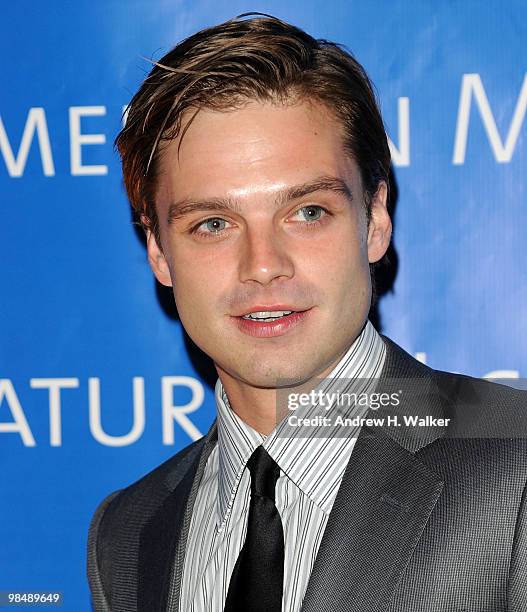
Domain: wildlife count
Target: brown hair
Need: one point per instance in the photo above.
(261, 58)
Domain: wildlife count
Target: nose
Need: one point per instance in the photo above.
(264, 257)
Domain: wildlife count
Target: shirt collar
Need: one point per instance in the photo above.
(316, 463)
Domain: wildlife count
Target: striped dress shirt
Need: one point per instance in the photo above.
(311, 469)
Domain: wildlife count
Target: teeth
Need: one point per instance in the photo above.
(267, 314)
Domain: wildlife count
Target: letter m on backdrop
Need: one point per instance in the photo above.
(472, 88)
(35, 124)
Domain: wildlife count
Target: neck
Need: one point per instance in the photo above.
(256, 407)
(262, 408)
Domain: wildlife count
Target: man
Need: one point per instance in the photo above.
(256, 160)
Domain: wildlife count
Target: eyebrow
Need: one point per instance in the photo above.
(184, 207)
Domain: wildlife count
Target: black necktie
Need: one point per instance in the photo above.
(258, 577)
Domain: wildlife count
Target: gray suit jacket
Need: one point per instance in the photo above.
(426, 519)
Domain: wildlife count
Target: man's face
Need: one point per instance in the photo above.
(262, 211)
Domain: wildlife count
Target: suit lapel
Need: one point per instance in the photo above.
(384, 501)
(380, 511)
(163, 539)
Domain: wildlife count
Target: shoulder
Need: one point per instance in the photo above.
(457, 392)
(169, 473)
(481, 408)
(485, 413)
(486, 436)
(470, 389)
(159, 482)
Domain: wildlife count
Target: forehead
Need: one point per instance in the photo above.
(257, 148)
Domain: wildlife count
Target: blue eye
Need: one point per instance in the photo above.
(214, 225)
(312, 213)
(212, 228)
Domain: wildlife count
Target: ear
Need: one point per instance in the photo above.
(380, 227)
(157, 260)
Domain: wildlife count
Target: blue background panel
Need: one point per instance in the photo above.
(78, 300)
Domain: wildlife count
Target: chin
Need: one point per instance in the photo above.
(273, 376)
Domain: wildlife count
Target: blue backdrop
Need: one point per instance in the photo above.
(96, 385)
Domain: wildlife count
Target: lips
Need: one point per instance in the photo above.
(264, 323)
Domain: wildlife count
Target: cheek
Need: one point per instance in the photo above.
(198, 283)
(340, 268)
(339, 256)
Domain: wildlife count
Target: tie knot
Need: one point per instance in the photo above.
(264, 473)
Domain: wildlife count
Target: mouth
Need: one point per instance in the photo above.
(268, 322)
(266, 316)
